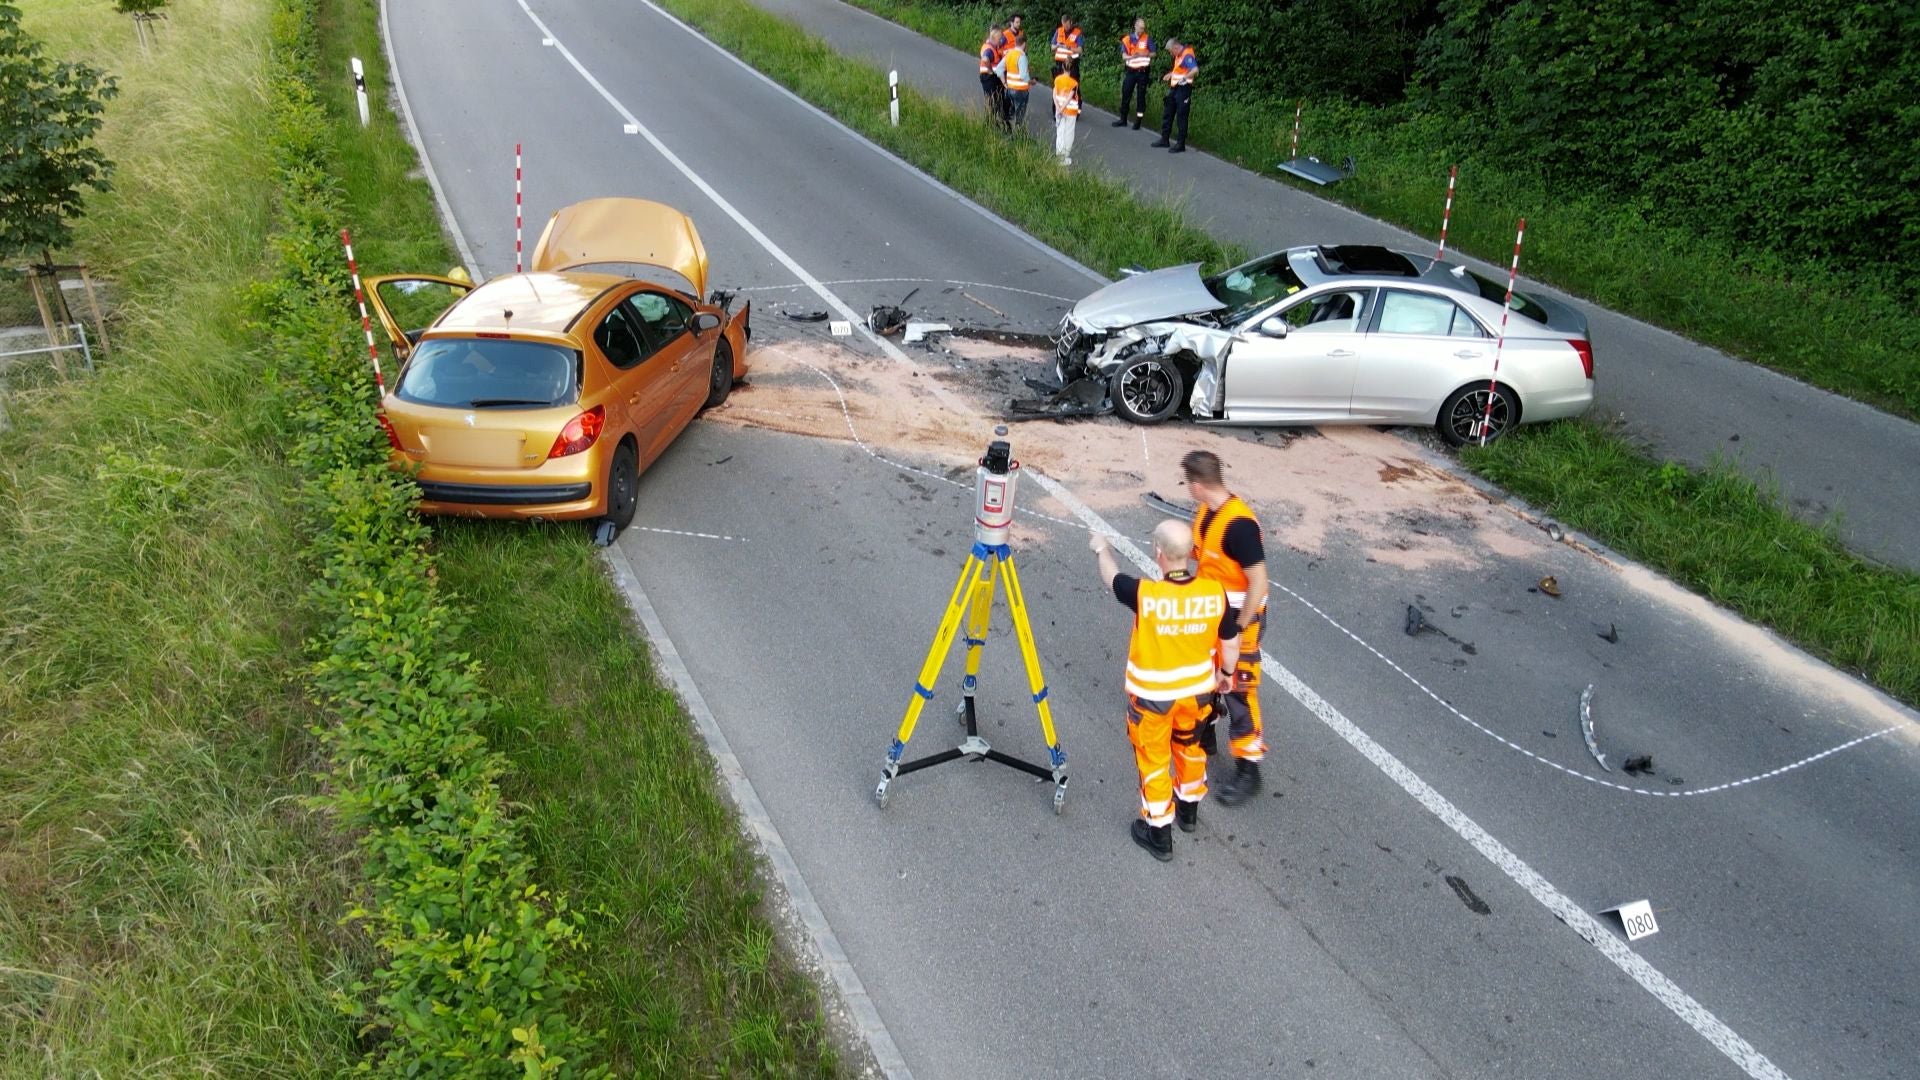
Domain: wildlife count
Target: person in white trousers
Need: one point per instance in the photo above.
(1066, 112)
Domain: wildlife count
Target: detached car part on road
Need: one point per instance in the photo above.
(544, 394)
(1321, 335)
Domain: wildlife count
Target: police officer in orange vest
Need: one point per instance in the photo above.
(1136, 52)
(1230, 551)
(1183, 651)
(1179, 100)
(994, 90)
(1066, 45)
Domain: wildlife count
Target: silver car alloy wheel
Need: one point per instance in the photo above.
(1468, 411)
(1146, 389)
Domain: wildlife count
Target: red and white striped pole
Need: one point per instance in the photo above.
(1513, 272)
(1297, 110)
(1447, 214)
(366, 324)
(517, 268)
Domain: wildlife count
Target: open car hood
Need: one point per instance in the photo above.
(1158, 294)
(618, 230)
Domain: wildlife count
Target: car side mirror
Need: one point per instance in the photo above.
(705, 321)
(1274, 326)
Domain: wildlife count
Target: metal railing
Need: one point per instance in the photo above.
(82, 346)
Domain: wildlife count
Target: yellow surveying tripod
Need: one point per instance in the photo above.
(972, 600)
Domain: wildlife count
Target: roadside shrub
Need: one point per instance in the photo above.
(476, 955)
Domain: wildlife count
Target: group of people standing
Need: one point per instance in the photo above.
(1006, 81)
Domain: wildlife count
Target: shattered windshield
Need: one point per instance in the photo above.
(1251, 286)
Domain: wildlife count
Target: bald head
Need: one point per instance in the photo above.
(1172, 545)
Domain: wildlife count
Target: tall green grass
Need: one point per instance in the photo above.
(1825, 324)
(167, 907)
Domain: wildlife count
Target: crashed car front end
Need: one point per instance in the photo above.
(1087, 358)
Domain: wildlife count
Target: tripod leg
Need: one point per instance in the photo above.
(963, 591)
(1017, 606)
(980, 613)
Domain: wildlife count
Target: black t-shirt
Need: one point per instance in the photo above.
(1126, 589)
(1242, 540)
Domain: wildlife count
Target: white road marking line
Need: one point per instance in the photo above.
(694, 535)
(793, 267)
(1496, 736)
(908, 167)
(1695, 1015)
(803, 908)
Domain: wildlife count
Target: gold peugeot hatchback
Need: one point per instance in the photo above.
(544, 394)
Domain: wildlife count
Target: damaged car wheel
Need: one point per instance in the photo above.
(1147, 389)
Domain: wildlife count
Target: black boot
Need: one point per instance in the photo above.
(1161, 141)
(1122, 122)
(1186, 815)
(1179, 148)
(1244, 784)
(1157, 839)
(1136, 123)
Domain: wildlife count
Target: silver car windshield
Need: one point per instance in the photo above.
(1251, 286)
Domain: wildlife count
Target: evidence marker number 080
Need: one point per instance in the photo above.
(1637, 919)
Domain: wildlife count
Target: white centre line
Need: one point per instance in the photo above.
(1695, 1015)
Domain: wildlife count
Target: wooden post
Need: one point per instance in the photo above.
(93, 301)
(54, 337)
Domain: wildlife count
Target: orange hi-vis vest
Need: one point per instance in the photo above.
(1176, 632)
(1065, 101)
(1185, 67)
(1215, 563)
(1017, 78)
(989, 56)
(1065, 47)
(1138, 51)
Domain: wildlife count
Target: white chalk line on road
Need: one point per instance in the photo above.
(1669, 994)
(683, 532)
(1590, 778)
(1682, 1004)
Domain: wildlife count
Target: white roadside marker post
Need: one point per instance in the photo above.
(893, 95)
(1447, 214)
(360, 89)
(1493, 382)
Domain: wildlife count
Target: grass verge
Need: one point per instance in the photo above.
(615, 793)
(167, 907)
(1833, 328)
(1712, 531)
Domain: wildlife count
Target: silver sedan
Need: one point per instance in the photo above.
(1324, 335)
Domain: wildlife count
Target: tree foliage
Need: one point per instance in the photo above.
(49, 114)
(139, 7)
(1791, 129)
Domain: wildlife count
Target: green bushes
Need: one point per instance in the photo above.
(475, 956)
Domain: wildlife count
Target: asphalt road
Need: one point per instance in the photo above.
(1376, 915)
(1682, 399)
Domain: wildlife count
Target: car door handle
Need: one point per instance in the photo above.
(634, 400)
(1467, 354)
(1341, 353)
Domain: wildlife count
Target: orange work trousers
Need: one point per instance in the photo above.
(1243, 704)
(1166, 748)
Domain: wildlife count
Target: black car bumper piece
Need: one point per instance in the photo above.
(501, 495)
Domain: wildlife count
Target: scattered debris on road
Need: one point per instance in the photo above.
(1555, 532)
(1167, 506)
(1611, 635)
(1638, 764)
(918, 331)
(887, 320)
(1550, 585)
(806, 316)
(1586, 727)
(1460, 889)
(1416, 622)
